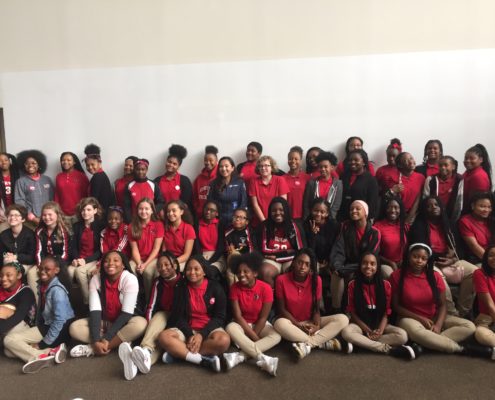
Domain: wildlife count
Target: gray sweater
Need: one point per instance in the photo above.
(32, 193)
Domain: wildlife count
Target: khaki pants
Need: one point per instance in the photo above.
(386, 271)
(79, 330)
(451, 310)
(484, 334)
(182, 337)
(269, 339)
(393, 336)
(149, 274)
(83, 275)
(337, 290)
(466, 289)
(330, 327)
(18, 343)
(454, 330)
(219, 264)
(281, 267)
(156, 326)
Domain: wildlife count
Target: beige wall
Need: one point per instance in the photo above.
(58, 34)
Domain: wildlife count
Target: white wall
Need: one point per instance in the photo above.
(448, 95)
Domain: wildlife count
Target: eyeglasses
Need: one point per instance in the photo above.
(265, 166)
(14, 215)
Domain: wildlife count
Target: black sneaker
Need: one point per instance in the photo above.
(477, 350)
(418, 350)
(404, 352)
(212, 362)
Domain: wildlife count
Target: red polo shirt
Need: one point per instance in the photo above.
(413, 187)
(150, 232)
(208, 235)
(483, 284)
(199, 314)
(369, 294)
(86, 244)
(251, 300)
(387, 176)
(390, 246)
(248, 171)
(438, 241)
(174, 240)
(296, 185)
(120, 185)
(472, 227)
(264, 193)
(112, 300)
(170, 188)
(475, 180)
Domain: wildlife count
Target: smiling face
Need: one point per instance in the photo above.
(88, 213)
(48, 270)
(407, 163)
(67, 163)
(418, 260)
(113, 265)
(246, 276)
(210, 161)
(14, 218)
(239, 220)
(433, 152)
(482, 208)
(9, 278)
(393, 211)
(369, 266)
(172, 165)
(128, 166)
(194, 272)
(174, 213)
(31, 166)
(354, 144)
(49, 217)
(144, 211)
(356, 163)
(277, 213)
(446, 168)
(165, 268)
(325, 167)
(114, 220)
(225, 168)
(92, 165)
(472, 160)
(301, 267)
(357, 212)
(4, 162)
(252, 153)
(312, 158)
(265, 169)
(319, 213)
(294, 161)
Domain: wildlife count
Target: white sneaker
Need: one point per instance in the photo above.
(40, 362)
(233, 359)
(82, 350)
(142, 358)
(268, 364)
(301, 349)
(130, 369)
(331, 345)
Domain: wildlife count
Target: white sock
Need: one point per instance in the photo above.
(194, 358)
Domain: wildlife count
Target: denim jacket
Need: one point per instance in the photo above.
(57, 311)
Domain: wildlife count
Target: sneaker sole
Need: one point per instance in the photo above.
(138, 358)
(300, 355)
(412, 354)
(273, 372)
(125, 356)
(36, 365)
(61, 354)
(216, 365)
(76, 353)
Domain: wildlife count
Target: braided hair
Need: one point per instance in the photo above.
(287, 224)
(313, 267)
(481, 151)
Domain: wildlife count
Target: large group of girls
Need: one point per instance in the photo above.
(334, 256)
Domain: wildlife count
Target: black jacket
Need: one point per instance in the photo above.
(24, 245)
(78, 228)
(25, 309)
(101, 188)
(365, 188)
(216, 307)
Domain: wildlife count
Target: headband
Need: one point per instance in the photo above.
(93, 156)
(364, 205)
(17, 265)
(425, 246)
(144, 162)
(116, 208)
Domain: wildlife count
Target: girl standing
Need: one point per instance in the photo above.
(201, 185)
(352, 144)
(139, 188)
(172, 184)
(298, 293)
(358, 184)
(448, 186)
(71, 185)
(324, 186)
(386, 175)
(33, 189)
(251, 301)
(146, 238)
(311, 164)
(18, 243)
(179, 232)
(99, 185)
(478, 175)
(86, 244)
(432, 154)
(8, 177)
(279, 240)
(44, 344)
(419, 301)
(113, 319)
(247, 170)
(370, 306)
(228, 190)
(198, 315)
(264, 188)
(296, 181)
(120, 184)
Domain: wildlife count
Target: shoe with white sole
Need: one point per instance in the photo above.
(212, 362)
(82, 350)
(40, 362)
(268, 364)
(125, 355)
(301, 349)
(233, 359)
(142, 358)
(59, 353)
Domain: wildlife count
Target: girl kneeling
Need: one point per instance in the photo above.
(197, 318)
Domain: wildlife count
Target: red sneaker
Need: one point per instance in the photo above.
(42, 361)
